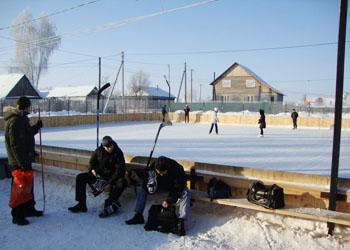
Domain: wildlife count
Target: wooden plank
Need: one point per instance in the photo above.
(312, 214)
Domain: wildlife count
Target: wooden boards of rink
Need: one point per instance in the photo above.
(306, 196)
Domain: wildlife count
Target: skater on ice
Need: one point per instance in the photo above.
(262, 122)
(214, 121)
(294, 115)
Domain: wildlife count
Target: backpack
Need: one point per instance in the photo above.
(162, 219)
(271, 197)
(218, 189)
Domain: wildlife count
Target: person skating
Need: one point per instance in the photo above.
(107, 164)
(164, 174)
(20, 143)
(262, 122)
(214, 121)
(187, 113)
(294, 115)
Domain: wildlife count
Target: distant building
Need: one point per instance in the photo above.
(155, 93)
(74, 93)
(240, 84)
(13, 86)
(325, 102)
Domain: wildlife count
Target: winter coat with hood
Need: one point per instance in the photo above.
(173, 181)
(262, 121)
(110, 166)
(19, 138)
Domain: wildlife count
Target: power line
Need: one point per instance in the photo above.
(119, 23)
(236, 50)
(51, 14)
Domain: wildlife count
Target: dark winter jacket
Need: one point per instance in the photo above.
(262, 121)
(19, 138)
(164, 112)
(173, 181)
(110, 166)
(294, 115)
(187, 110)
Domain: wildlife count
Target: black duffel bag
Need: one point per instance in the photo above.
(162, 219)
(217, 189)
(271, 197)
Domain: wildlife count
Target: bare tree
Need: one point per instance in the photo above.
(138, 81)
(35, 43)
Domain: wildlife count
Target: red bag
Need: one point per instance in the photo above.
(21, 188)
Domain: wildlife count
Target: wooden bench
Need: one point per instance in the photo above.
(305, 195)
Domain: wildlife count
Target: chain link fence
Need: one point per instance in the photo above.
(74, 106)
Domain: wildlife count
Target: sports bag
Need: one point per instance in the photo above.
(21, 188)
(271, 197)
(218, 189)
(162, 219)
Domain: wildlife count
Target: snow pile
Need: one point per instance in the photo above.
(210, 226)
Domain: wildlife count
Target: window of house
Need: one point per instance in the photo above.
(226, 83)
(250, 83)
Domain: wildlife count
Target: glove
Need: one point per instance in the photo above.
(99, 186)
(39, 124)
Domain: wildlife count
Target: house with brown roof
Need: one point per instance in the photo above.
(240, 84)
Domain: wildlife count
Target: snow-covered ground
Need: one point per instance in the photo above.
(210, 226)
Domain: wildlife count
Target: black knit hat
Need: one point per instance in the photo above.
(160, 164)
(107, 141)
(23, 102)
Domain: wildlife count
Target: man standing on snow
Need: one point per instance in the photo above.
(294, 116)
(164, 113)
(165, 174)
(19, 141)
(106, 172)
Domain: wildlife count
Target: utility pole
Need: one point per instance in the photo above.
(338, 110)
(185, 83)
(99, 72)
(191, 84)
(200, 92)
(123, 82)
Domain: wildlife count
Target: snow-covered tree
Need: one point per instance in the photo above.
(35, 43)
(138, 81)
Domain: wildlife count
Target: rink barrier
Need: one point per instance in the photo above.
(271, 120)
(306, 196)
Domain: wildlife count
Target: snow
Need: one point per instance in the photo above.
(210, 226)
(71, 91)
(8, 82)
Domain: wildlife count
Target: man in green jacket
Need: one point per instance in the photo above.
(19, 141)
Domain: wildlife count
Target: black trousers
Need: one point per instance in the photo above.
(23, 209)
(216, 128)
(83, 179)
(295, 125)
(187, 118)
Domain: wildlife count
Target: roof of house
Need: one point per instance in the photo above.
(249, 71)
(9, 81)
(155, 92)
(71, 91)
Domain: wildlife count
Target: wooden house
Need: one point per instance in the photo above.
(239, 84)
(12, 86)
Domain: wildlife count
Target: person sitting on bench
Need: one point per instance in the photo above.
(106, 172)
(166, 174)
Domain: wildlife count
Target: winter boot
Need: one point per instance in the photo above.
(109, 210)
(137, 219)
(80, 207)
(20, 221)
(34, 213)
(181, 227)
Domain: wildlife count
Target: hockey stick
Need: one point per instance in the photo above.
(162, 125)
(41, 163)
(98, 110)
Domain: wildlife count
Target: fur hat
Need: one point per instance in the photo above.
(23, 102)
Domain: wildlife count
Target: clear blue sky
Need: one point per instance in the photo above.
(171, 38)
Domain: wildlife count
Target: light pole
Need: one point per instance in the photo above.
(169, 91)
